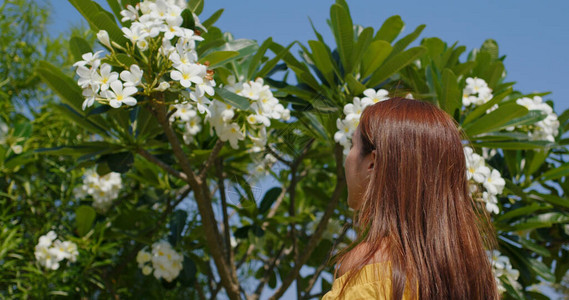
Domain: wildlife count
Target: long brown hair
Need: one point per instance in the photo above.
(417, 206)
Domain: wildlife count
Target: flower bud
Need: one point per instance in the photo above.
(163, 86)
(103, 37)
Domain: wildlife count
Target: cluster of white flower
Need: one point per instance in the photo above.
(353, 111)
(477, 93)
(159, 19)
(103, 189)
(163, 260)
(100, 83)
(263, 107)
(262, 164)
(503, 270)
(49, 252)
(478, 173)
(545, 129)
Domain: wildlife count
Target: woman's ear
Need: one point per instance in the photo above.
(371, 163)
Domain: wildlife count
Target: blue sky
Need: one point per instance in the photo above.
(533, 35)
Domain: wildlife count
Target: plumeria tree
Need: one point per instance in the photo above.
(177, 131)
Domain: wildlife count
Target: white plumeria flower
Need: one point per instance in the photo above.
(353, 110)
(120, 94)
(251, 90)
(233, 133)
(187, 74)
(106, 77)
(172, 28)
(476, 169)
(89, 58)
(188, 38)
(160, 10)
(90, 94)
(491, 202)
(135, 33)
(166, 261)
(143, 257)
(132, 77)
(151, 27)
(193, 125)
(345, 131)
(181, 57)
(129, 14)
(206, 87)
(184, 112)
(86, 77)
(494, 183)
(202, 103)
(474, 85)
(372, 96)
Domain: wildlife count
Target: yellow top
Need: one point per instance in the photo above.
(372, 282)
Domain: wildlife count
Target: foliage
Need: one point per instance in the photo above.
(178, 179)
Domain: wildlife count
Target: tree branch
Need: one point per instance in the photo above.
(155, 160)
(321, 268)
(203, 199)
(315, 238)
(268, 271)
(211, 158)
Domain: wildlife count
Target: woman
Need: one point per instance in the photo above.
(420, 235)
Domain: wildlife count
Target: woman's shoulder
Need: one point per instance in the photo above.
(352, 258)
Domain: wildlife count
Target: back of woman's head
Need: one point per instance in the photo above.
(417, 203)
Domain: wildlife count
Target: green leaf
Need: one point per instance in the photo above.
(323, 60)
(514, 145)
(218, 58)
(407, 40)
(343, 30)
(82, 149)
(196, 6)
(390, 29)
(522, 211)
(177, 224)
(491, 47)
(481, 110)
(496, 119)
(256, 59)
(188, 19)
(450, 99)
(541, 221)
(356, 87)
(534, 160)
(212, 19)
(61, 84)
(374, 56)
(118, 162)
(231, 98)
(314, 124)
(84, 218)
(79, 119)
(364, 39)
(532, 246)
(78, 47)
(556, 173)
(269, 65)
(269, 198)
(532, 117)
(116, 8)
(102, 21)
(396, 63)
(551, 199)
